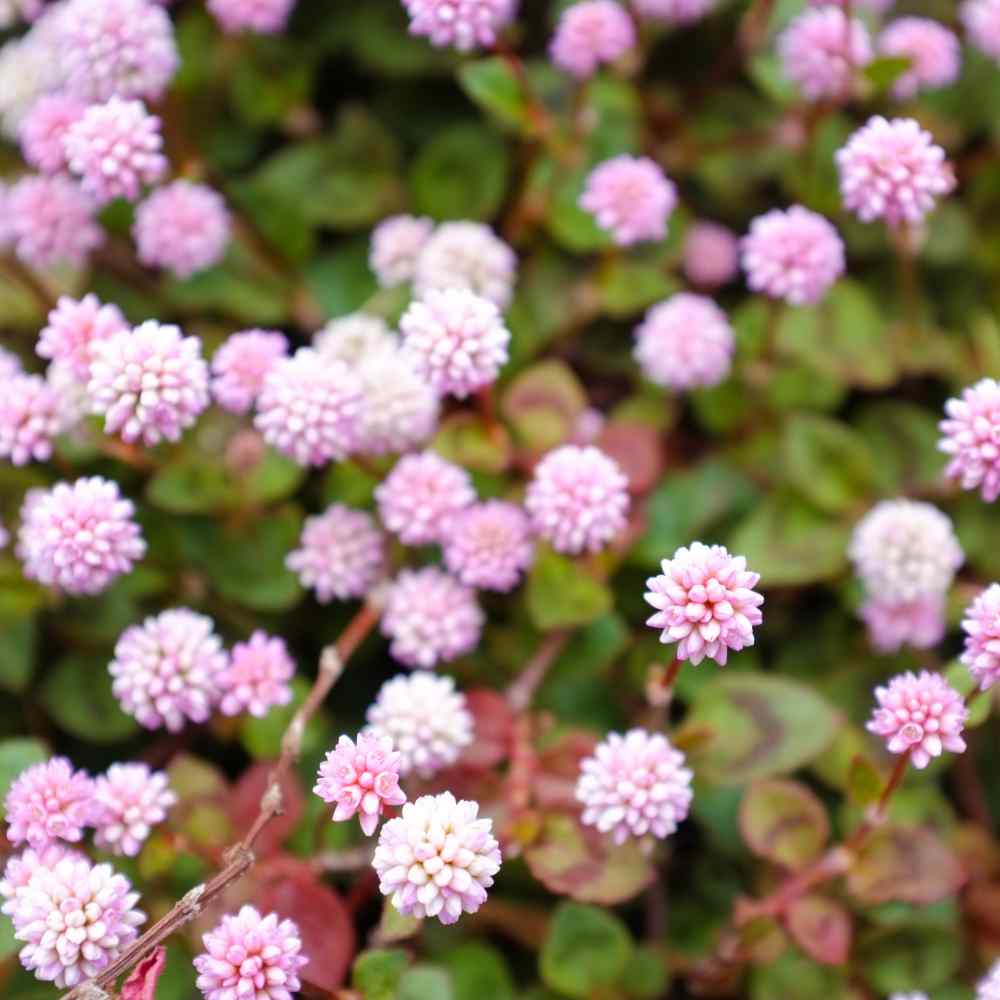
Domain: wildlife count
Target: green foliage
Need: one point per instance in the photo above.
(587, 950)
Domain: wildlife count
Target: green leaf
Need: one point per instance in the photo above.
(17, 654)
(587, 950)
(646, 975)
(784, 822)
(77, 694)
(864, 782)
(261, 737)
(190, 484)
(492, 84)
(542, 405)
(478, 972)
(376, 973)
(795, 977)
(886, 70)
(560, 593)
(464, 439)
(15, 756)
(425, 982)
(341, 281)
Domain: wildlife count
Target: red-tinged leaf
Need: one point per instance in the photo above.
(493, 721)
(784, 822)
(244, 804)
(542, 405)
(141, 984)
(559, 768)
(636, 448)
(822, 928)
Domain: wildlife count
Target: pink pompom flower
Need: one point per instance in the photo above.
(438, 858)
(590, 33)
(933, 50)
(920, 714)
(685, 343)
(250, 957)
(49, 801)
(461, 24)
(634, 785)
(892, 170)
(673, 11)
(20, 868)
(43, 130)
(79, 537)
(129, 800)
(631, 198)
(265, 17)
(489, 545)
(240, 365)
(400, 407)
(822, 54)
(31, 415)
(257, 676)
(981, 625)
(362, 779)
(10, 363)
(971, 436)
(981, 20)
(396, 245)
(74, 327)
(430, 618)
(705, 602)
(577, 499)
(919, 623)
(711, 255)
(51, 221)
(795, 255)
(466, 255)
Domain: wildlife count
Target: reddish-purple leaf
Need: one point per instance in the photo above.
(244, 804)
(821, 927)
(783, 821)
(141, 983)
(493, 722)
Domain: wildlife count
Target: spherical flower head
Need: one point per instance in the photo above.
(31, 65)
(981, 625)
(129, 800)
(30, 417)
(685, 343)
(631, 198)
(438, 858)
(44, 128)
(149, 384)
(74, 327)
(711, 255)
(489, 545)
(10, 363)
(71, 391)
(21, 867)
(355, 338)
(250, 956)
(75, 919)
(420, 495)
(241, 364)
(673, 11)
(117, 48)
(933, 50)
(51, 221)
(362, 779)
(258, 676)
(590, 33)
(427, 720)
(166, 671)
(341, 554)
(981, 20)
(988, 988)
(456, 340)
(466, 255)
(182, 227)
(920, 714)
(795, 255)
(821, 53)
(919, 623)
(400, 408)
(892, 170)
(49, 801)
(265, 17)
(971, 436)
(79, 537)
(904, 550)
(634, 785)
(396, 244)
(308, 408)
(461, 24)
(430, 618)
(577, 499)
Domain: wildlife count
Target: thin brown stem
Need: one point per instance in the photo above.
(538, 115)
(521, 693)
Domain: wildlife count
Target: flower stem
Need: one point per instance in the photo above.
(521, 693)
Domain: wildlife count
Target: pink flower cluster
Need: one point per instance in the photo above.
(821, 52)
(49, 801)
(971, 436)
(489, 545)
(75, 327)
(31, 415)
(933, 50)
(466, 255)
(241, 364)
(981, 20)
(630, 198)
(590, 33)
(460, 24)
(981, 625)
(129, 800)
(257, 677)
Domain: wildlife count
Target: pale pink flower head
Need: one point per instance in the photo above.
(341, 554)
(49, 801)
(75, 918)
(182, 227)
(129, 800)
(308, 408)
(74, 327)
(920, 714)
(149, 384)
(400, 407)
(240, 365)
(167, 670)
(634, 785)
(21, 867)
(44, 127)
(822, 54)
(396, 245)
(971, 436)
(430, 618)
(51, 221)
(705, 602)
(631, 198)
(117, 48)
(426, 718)
(981, 625)
(711, 255)
(250, 957)
(438, 858)
(892, 170)
(356, 337)
(795, 255)
(362, 779)
(590, 33)
(933, 50)
(577, 499)
(981, 20)
(673, 11)
(10, 363)
(988, 988)
(265, 17)
(456, 340)
(461, 24)
(79, 537)
(466, 255)
(919, 623)
(685, 343)
(31, 415)
(420, 495)
(489, 545)
(258, 676)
